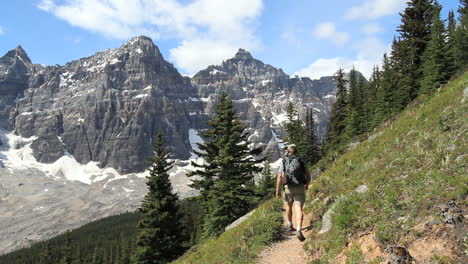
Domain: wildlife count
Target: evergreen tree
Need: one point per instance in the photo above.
(294, 128)
(356, 117)
(435, 65)
(451, 58)
(383, 92)
(461, 36)
(97, 256)
(159, 231)
(311, 148)
(46, 255)
(337, 123)
(227, 171)
(371, 99)
(67, 256)
(415, 32)
(266, 184)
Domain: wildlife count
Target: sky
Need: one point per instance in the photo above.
(303, 37)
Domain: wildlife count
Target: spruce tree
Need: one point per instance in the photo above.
(311, 148)
(337, 123)
(227, 170)
(295, 130)
(371, 99)
(355, 119)
(451, 56)
(414, 32)
(46, 256)
(159, 230)
(461, 36)
(435, 63)
(383, 92)
(266, 184)
(67, 255)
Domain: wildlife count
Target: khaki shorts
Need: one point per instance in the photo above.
(294, 194)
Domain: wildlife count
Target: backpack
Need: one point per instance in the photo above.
(294, 171)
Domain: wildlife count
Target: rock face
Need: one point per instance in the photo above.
(76, 137)
(261, 94)
(108, 107)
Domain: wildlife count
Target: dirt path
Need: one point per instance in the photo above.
(287, 251)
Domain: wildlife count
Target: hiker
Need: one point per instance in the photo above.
(295, 177)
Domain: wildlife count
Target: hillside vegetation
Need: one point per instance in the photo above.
(406, 168)
(412, 163)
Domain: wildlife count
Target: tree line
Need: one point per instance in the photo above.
(426, 53)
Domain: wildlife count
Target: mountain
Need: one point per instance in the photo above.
(261, 94)
(74, 138)
(402, 190)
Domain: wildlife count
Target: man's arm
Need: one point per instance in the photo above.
(278, 184)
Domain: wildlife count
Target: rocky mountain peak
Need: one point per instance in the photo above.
(242, 54)
(142, 45)
(18, 52)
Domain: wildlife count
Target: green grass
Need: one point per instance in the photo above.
(410, 168)
(243, 243)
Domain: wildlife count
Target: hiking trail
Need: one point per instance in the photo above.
(289, 250)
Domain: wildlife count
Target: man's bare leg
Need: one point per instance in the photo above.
(289, 213)
(299, 215)
(299, 218)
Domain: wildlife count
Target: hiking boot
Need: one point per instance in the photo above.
(291, 228)
(300, 236)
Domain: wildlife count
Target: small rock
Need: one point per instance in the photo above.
(239, 221)
(433, 222)
(450, 147)
(374, 136)
(451, 213)
(362, 188)
(398, 255)
(461, 157)
(465, 94)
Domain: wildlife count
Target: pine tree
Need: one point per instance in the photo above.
(435, 63)
(67, 256)
(337, 123)
(266, 184)
(227, 171)
(46, 256)
(311, 148)
(294, 128)
(461, 36)
(371, 99)
(451, 58)
(355, 120)
(97, 256)
(159, 230)
(415, 32)
(383, 92)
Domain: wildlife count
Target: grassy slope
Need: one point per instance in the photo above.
(242, 243)
(410, 167)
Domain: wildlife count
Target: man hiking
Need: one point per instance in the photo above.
(295, 177)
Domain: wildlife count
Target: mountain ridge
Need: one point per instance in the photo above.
(88, 126)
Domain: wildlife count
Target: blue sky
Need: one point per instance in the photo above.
(306, 37)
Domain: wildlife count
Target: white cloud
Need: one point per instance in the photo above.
(193, 53)
(372, 9)
(327, 30)
(369, 52)
(1, 31)
(199, 23)
(372, 28)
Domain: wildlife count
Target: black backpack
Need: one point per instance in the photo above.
(294, 171)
